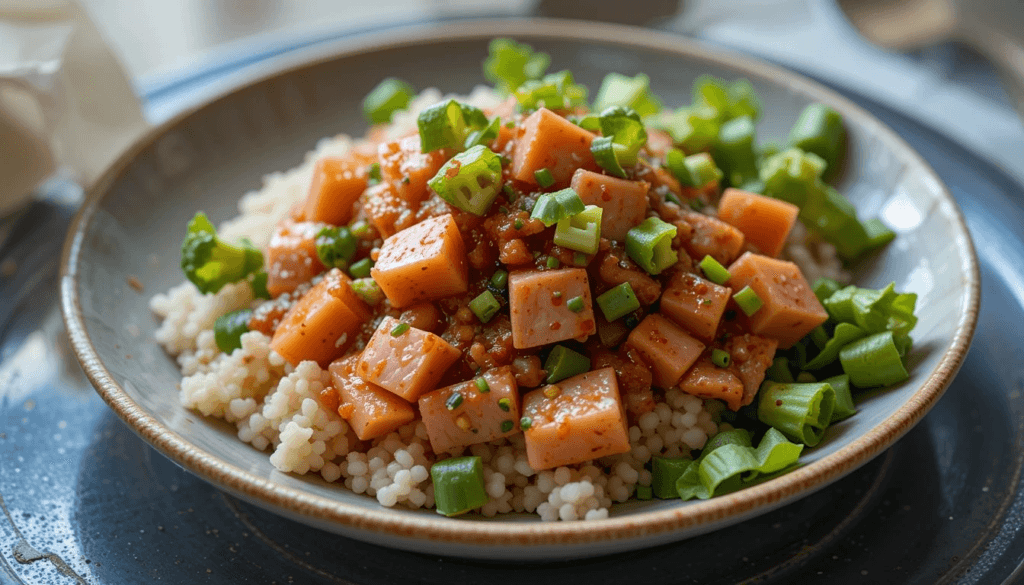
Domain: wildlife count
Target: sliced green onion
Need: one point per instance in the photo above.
(734, 152)
(603, 149)
(485, 306)
(696, 170)
(629, 92)
(792, 175)
(552, 262)
(844, 334)
(844, 407)
(824, 288)
(878, 233)
(714, 270)
(360, 229)
(481, 385)
(335, 246)
(482, 136)
(874, 310)
(361, 269)
(544, 178)
(505, 404)
(555, 91)
(518, 224)
(819, 129)
(565, 363)
(389, 96)
(800, 411)
(650, 245)
(510, 64)
(525, 423)
(368, 291)
(727, 100)
(644, 492)
(374, 174)
(448, 124)
(721, 358)
(665, 472)
(259, 285)
(622, 137)
(458, 485)
(805, 378)
(779, 371)
(575, 304)
(399, 329)
(507, 425)
(579, 259)
(581, 232)
(873, 361)
(693, 128)
(748, 301)
(228, 329)
(618, 301)
(819, 337)
(729, 462)
(499, 279)
(470, 180)
(553, 207)
(454, 401)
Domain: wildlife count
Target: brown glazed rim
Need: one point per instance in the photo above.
(384, 522)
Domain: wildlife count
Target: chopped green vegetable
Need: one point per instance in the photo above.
(575, 304)
(748, 301)
(485, 306)
(715, 272)
(734, 153)
(553, 207)
(499, 279)
(361, 269)
(618, 301)
(874, 361)
(644, 492)
(335, 246)
(259, 285)
(874, 310)
(228, 329)
(210, 263)
(800, 411)
(368, 291)
(844, 333)
(554, 91)
(728, 100)
(693, 128)
(373, 174)
(805, 378)
(844, 407)
(779, 371)
(696, 170)
(579, 259)
(448, 124)
(389, 96)
(458, 485)
(665, 472)
(565, 363)
(483, 135)
(453, 401)
(824, 288)
(721, 358)
(650, 245)
(507, 425)
(481, 385)
(544, 178)
(729, 462)
(552, 262)
(399, 329)
(819, 130)
(505, 404)
(360, 229)
(525, 423)
(622, 137)
(629, 92)
(580, 232)
(470, 180)
(510, 64)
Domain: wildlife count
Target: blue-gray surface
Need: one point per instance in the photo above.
(86, 501)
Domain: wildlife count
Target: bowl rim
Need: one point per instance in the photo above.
(385, 522)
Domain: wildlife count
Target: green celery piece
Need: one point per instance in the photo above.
(550, 208)
(565, 363)
(475, 183)
(729, 100)
(622, 137)
(801, 411)
(580, 232)
(389, 96)
(696, 170)
(665, 472)
(874, 360)
(554, 91)
(734, 152)
(792, 175)
(606, 157)
(874, 310)
(618, 301)
(819, 130)
(228, 329)
(650, 245)
(844, 334)
(458, 485)
(485, 306)
(844, 407)
(629, 92)
(448, 124)
(728, 466)
(510, 64)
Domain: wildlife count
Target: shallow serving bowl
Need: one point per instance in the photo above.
(131, 225)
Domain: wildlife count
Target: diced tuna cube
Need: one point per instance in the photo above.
(470, 412)
(764, 221)
(624, 203)
(695, 304)
(538, 305)
(751, 355)
(422, 263)
(407, 169)
(709, 236)
(549, 141)
(579, 419)
(666, 348)
(337, 184)
(706, 380)
(370, 410)
(291, 256)
(407, 363)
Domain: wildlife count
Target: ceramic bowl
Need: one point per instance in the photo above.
(130, 227)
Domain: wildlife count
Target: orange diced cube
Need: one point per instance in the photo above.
(695, 304)
(422, 263)
(291, 256)
(583, 420)
(764, 221)
(790, 308)
(549, 141)
(710, 236)
(407, 170)
(706, 380)
(751, 355)
(478, 417)
(666, 348)
(538, 306)
(370, 410)
(337, 184)
(322, 323)
(623, 203)
(408, 364)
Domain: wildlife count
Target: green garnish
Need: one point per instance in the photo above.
(618, 301)
(389, 96)
(210, 263)
(399, 329)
